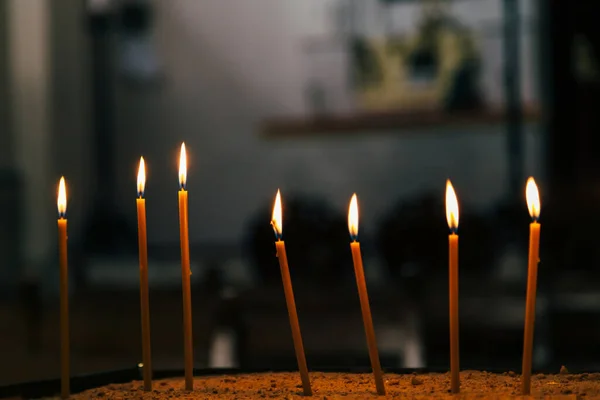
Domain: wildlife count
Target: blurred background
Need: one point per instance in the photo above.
(320, 98)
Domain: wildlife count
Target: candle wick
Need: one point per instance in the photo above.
(277, 234)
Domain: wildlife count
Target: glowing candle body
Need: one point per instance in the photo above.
(293, 315)
(185, 274)
(64, 291)
(532, 268)
(534, 242)
(64, 308)
(453, 290)
(144, 296)
(452, 217)
(364, 297)
(367, 318)
(289, 296)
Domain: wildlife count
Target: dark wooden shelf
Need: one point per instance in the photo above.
(369, 122)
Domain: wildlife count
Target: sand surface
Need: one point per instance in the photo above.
(474, 385)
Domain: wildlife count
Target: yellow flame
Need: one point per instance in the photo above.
(353, 216)
(141, 178)
(533, 198)
(277, 220)
(451, 206)
(182, 166)
(62, 197)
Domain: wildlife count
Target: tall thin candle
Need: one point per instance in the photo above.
(452, 217)
(143, 255)
(533, 203)
(277, 222)
(64, 290)
(185, 272)
(363, 296)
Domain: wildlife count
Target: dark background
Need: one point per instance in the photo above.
(77, 100)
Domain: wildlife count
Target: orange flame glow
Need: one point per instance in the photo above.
(353, 217)
(141, 178)
(451, 207)
(62, 198)
(277, 219)
(533, 199)
(182, 167)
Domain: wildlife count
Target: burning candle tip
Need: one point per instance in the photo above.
(62, 198)
(451, 208)
(353, 218)
(533, 199)
(141, 178)
(277, 219)
(182, 167)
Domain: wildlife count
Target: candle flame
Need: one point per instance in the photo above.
(62, 198)
(182, 167)
(277, 219)
(451, 207)
(353, 217)
(533, 199)
(141, 178)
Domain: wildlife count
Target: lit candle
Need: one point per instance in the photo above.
(452, 217)
(143, 254)
(363, 296)
(289, 296)
(185, 272)
(533, 203)
(64, 289)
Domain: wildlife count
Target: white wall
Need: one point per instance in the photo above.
(228, 65)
